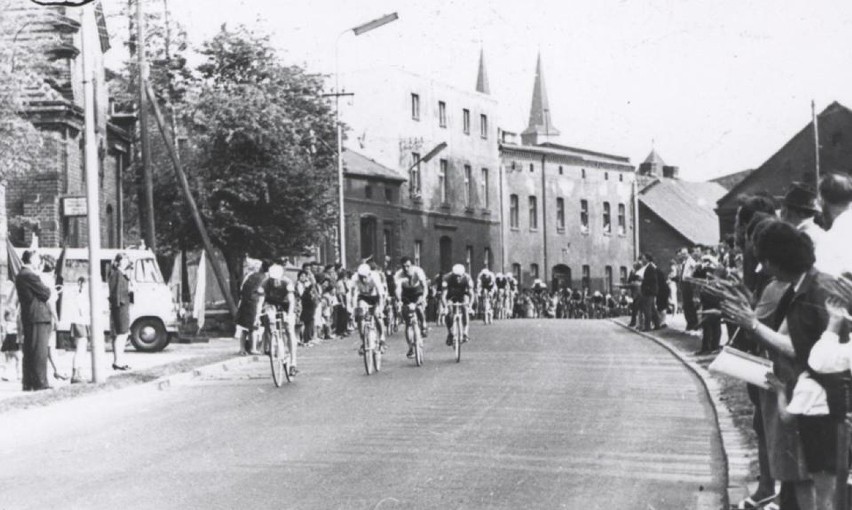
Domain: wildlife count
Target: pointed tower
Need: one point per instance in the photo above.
(482, 77)
(540, 127)
(654, 166)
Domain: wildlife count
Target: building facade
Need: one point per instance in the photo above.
(443, 141)
(568, 213)
(45, 203)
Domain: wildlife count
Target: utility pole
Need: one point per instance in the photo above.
(816, 144)
(147, 178)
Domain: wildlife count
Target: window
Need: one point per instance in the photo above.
(486, 258)
(622, 221)
(368, 236)
(468, 259)
(466, 121)
(418, 249)
(560, 169)
(415, 107)
(583, 173)
(442, 180)
(622, 274)
(442, 114)
(414, 175)
(516, 270)
(484, 194)
(620, 177)
(513, 211)
(608, 280)
(533, 212)
(387, 245)
(606, 176)
(483, 126)
(388, 194)
(468, 185)
(445, 254)
(533, 271)
(146, 271)
(607, 220)
(532, 168)
(368, 191)
(560, 214)
(584, 216)
(587, 277)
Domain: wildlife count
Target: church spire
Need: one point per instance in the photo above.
(482, 76)
(540, 127)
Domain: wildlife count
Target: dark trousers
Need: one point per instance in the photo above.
(689, 312)
(34, 363)
(309, 327)
(649, 309)
(712, 333)
(341, 320)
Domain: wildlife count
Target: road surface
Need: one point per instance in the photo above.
(539, 414)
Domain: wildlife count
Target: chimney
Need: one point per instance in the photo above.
(670, 172)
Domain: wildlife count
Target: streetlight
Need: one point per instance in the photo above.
(359, 30)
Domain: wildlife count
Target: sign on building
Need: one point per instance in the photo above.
(74, 206)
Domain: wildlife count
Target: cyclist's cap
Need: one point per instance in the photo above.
(276, 271)
(458, 269)
(364, 270)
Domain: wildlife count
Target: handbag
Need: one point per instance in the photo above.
(743, 366)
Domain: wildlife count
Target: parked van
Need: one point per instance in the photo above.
(153, 313)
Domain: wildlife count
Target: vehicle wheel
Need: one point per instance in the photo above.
(368, 359)
(377, 359)
(457, 343)
(149, 335)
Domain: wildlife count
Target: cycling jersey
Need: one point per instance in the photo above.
(277, 291)
(368, 289)
(413, 285)
(486, 279)
(457, 287)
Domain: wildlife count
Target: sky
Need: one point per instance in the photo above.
(717, 86)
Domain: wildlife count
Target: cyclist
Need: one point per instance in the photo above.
(458, 288)
(512, 293)
(367, 291)
(486, 281)
(280, 293)
(410, 285)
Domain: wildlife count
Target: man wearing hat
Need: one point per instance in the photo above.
(799, 209)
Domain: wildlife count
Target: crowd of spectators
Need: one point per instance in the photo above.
(782, 286)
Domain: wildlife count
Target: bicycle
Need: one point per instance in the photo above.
(487, 310)
(412, 333)
(457, 329)
(275, 347)
(369, 342)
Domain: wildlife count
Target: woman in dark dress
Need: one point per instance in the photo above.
(119, 307)
(248, 311)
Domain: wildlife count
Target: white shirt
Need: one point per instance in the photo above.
(833, 254)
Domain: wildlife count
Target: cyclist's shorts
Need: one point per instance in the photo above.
(411, 296)
(371, 300)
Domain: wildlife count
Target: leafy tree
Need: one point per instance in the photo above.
(261, 162)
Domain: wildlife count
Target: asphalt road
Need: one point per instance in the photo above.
(539, 414)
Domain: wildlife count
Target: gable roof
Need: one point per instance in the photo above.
(655, 159)
(356, 164)
(688, 207)
(728, 181)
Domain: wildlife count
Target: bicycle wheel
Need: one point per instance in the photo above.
(276, 362)
(418, 345)
(457, 339)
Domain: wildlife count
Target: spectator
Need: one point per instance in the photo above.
(119, 307)
(36, 320)
(832, 254)
(795, 326)
(309, 299)
(248, 310)
(749, 206)
(711, 320)
(11, 344)
(690, 260)
(799, 209)
(648, 290)
(80, 320)
(48, 276)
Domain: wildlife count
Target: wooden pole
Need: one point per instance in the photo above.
(148, 181)
(196, 216)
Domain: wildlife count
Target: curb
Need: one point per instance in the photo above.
(165, 382)
(736, 453)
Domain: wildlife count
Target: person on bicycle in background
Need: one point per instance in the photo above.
(368, 291)
(511, 292)
(441, 309)
(280, 293)
(410, 285)
(486, 281)
(458, 288)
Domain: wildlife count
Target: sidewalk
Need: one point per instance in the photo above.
(144, 367)
(733, 409)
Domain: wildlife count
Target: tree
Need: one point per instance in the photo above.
(262, 166)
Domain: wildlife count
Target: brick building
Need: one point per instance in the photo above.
(568, 213)
(674, 214)
(54, 102)
(795, 161)
(449, 209)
